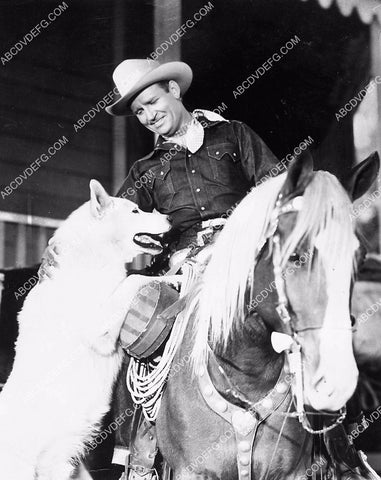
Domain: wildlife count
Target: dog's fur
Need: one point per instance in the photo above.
(67, 356)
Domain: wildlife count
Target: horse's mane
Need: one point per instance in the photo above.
(219, 301)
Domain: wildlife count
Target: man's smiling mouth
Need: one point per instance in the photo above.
(154, 124)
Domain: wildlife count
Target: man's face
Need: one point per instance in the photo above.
(160, 111)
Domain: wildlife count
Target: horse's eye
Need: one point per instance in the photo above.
(294, 257)
(135, 210)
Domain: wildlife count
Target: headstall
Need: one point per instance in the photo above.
(288, 340)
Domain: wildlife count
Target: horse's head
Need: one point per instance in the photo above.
(309, 257)
(288, 254)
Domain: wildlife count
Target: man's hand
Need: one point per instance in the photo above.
(49, 261)
(174, 280)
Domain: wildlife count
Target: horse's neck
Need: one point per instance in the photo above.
(250, 361)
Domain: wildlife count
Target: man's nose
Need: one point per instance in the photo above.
(150, 114)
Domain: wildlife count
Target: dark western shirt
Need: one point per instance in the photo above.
(192, 187)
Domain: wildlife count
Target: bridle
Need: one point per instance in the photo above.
(288, 340)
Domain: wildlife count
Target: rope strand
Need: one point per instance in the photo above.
(146, 379)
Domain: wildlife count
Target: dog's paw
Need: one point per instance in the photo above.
(104, 344)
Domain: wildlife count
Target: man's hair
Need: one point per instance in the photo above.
(164, 84)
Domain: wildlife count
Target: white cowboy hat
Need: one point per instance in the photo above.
(133, 76)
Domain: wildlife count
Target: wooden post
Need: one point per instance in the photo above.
(42, 242)
(119, 153)
(2, 244)
(375, 52)
(167, 19)
(21, 253)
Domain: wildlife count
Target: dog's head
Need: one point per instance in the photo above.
(131, 229)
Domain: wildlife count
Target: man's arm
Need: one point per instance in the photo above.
(135, 189)
(256, 157)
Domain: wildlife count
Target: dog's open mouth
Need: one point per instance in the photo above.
(149, 242)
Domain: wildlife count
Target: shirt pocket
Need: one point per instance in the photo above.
(223, 160)
(161, 186)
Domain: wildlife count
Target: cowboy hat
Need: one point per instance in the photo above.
(133, 76)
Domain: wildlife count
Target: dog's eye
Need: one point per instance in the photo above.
(135, 210)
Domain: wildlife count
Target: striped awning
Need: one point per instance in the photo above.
(367, 9)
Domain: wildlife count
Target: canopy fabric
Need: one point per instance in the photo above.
(367, 9)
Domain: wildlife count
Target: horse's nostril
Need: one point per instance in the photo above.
(170, 219)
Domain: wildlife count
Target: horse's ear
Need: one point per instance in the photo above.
(362, 176)
(299, 175)
(99, 199)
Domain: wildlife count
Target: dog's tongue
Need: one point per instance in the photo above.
(149, 241)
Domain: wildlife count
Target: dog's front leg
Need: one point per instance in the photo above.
(110, 318)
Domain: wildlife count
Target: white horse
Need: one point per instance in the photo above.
(67, 356)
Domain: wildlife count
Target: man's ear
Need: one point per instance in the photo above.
(362, 176)
(299, 175)
(174, 88)
(100, 200)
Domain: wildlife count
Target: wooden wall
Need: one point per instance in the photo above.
(45, 89)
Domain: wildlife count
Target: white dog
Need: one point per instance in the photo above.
(67, 357)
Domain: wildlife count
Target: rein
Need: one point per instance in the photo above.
(289, 341)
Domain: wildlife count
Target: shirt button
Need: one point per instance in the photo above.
(217, 152)
(189, 155)
(202, 208)
(198, 189)
(193, 171)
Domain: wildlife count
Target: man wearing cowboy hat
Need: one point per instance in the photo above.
(201, 165)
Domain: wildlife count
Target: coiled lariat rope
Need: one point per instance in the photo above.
(146, 379)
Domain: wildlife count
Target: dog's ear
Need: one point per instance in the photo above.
(100, 200)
